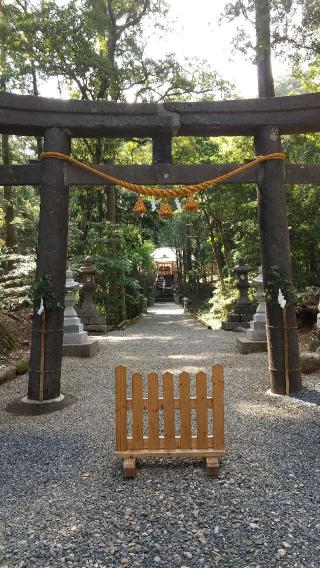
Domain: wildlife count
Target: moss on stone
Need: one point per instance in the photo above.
(21, 365)
(314, 340)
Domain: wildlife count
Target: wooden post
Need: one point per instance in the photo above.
(273, 220)
(52, 256)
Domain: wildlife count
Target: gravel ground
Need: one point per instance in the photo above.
(63, 501)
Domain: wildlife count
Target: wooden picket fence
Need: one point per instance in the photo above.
(211, 447)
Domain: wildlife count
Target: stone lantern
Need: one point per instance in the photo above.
(255, 339)
(244, 308)
(241, 272)
(257, 331)
(90, 316)
(75, 340)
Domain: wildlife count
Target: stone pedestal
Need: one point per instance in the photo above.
(75, 340)
(91, 318)
(185, 301)
(145, 305)
(256, 338)
(243, 309)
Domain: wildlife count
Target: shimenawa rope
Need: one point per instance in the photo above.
(184, 191)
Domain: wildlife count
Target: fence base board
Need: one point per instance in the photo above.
(129, 467)
(163, 453)
(212, 465)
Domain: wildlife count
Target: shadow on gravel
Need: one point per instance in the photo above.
(309, 395)
(29, 458)
(19, 408)
(175, 464)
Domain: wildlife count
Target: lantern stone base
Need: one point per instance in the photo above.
(95, 324)
(85, 350)
(96, 329)
(240, 317)
(246, 346)
(233, 325)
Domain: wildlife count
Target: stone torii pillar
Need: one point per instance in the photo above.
(46, 347)
(275, 252)
(273, 221)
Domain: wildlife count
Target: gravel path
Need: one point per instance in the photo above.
(63, 501)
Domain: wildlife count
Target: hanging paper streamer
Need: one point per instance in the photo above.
(153, 204)
(41, 307)
(281, 299)
(178, 204)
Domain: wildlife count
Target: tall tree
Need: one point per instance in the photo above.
(8, 190)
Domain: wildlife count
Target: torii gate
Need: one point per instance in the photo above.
(58, 121)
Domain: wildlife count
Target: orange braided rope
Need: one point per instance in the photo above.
(170, 192)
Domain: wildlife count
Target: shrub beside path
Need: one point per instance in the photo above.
(64, 502)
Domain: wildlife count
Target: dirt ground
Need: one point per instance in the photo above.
(21, 324)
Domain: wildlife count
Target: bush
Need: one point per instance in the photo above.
(223, 299)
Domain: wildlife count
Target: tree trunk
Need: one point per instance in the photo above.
(263, 49)
(216, 252)
(36, 94)
(8, 194)
(111, 204)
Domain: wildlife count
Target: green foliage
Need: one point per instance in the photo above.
(277, 282)
(43, 290)
(223, 299)
(123, 258)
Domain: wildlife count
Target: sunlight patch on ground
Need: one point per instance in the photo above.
(196, 357)
(116, 338)
(207, 320)
(166, 309)
(265, 409)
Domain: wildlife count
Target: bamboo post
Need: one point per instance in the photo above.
(286, 354)
(42, 355)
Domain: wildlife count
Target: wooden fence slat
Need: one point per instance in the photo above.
(185, 410)
(168, 407)
(218, 406)
(121, 408)
(202, 410)
(153, 410)
(137, 411)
